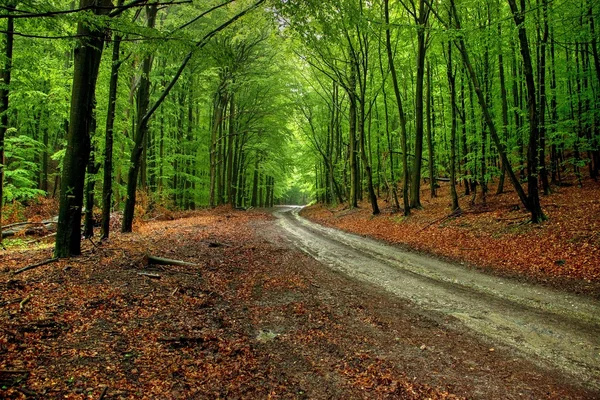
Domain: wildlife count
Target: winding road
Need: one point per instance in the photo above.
(557, 329)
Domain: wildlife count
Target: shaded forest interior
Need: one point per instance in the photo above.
(137, 105)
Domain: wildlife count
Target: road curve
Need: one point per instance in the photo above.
(559, 330)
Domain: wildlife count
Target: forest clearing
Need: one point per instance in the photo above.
(156, 157)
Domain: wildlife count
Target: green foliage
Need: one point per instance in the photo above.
(21, 173)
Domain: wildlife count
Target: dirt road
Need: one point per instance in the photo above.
(554, 329)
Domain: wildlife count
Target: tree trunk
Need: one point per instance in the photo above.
(460, 43)
(143, 101)
(504, 101)
(401, 114)
(453, 107)
(415, 186)
(428, 112)
(555, 169)
(86, 64)
(354, 187)
(254, 200)
(230, 136)
(92, 170)
(542, 104)
(108, 147)
(366, 163)
(4, 94)
(537, 215)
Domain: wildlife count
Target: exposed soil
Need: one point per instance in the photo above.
(256, 319)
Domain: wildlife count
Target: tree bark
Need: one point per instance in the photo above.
(254, 200)
(537, 215)
(108, 146)
(543, 171)
(415, 186)
(354, 187)
(504, 102)
(86, 64)
(460, 43)
(4, 94)
(141, 130)
(428, 112)
(453, 107)
(401, 114)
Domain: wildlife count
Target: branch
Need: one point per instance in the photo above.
(200, 16)
(27, 268)
(188, 57)
(167, 261)
(116, 10)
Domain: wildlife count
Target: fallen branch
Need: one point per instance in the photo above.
(27, 392)
(103, 393)
(456, 213)
(9, 230)
(511, 219)
(24, 301)
(167, 261)
(8, 302)
(41, 238)
(27, 268)
(150, 275)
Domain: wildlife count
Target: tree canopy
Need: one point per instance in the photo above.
(254, 103)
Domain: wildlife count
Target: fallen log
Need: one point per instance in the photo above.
(149, 275)
(27, 268)
(456, 213)
(11, 229)
(41, 238)
(167, 261)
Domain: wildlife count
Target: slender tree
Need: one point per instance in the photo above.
(537, 215)
(403, 137)
(4, 96)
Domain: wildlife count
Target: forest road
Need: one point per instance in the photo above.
(556, 330)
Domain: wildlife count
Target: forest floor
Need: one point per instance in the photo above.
(258, 318)
(563, 252)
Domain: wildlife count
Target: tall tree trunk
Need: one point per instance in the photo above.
(143, 101)
(428, 112)
(46, 142)
(453, 107)
(555, 169)
(465, 149)
(542, 103)
(354, 186)
(504, 101)
(189, 193)
(366, 163)
(401, 114)
(254, 201)
(415, 185)
(217, 116)
(537, 215)
(108, 147)
(596, 56)
(460, 43)
(92, 170)
(86, 64)
(4, 94)
(230, 136)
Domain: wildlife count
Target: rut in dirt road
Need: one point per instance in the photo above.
(560, 330)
